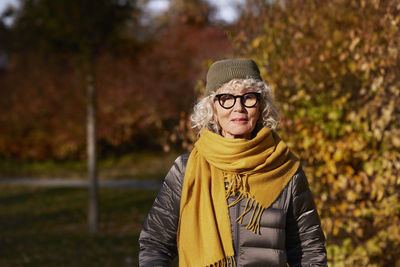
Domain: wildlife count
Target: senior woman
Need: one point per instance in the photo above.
(240, 198)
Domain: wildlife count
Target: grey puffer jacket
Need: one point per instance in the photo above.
(290, 228)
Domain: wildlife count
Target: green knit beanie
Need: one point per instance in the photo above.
(221, 72)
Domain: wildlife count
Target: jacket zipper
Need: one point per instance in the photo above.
(237, 226)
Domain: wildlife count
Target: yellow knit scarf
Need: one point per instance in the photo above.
(257, 169)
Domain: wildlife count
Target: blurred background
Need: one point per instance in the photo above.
(138, 66)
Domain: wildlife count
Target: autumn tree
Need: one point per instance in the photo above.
(333, 66)
(144, 87)
(79, 29)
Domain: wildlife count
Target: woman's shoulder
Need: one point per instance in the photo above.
(181, 161)
(175, 175)
(183, 158)
(299, 182)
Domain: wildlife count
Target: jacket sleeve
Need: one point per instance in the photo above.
(305, 240)
(157, 239)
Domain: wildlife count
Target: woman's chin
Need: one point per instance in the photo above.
(246, 133)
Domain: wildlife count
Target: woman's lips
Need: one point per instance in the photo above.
(239, 120)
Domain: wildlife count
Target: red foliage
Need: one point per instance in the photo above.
(148, 92)
(138, 94)
(42, 108)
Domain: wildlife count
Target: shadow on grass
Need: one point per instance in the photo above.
(48, 227)
(68, 249)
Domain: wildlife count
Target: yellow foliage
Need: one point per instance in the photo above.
(334, 69)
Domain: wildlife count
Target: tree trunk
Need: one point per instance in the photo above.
(91, 151)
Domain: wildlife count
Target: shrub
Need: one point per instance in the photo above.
(334, 67)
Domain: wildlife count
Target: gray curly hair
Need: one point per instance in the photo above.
(204, 114)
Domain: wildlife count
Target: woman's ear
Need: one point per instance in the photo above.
(214, 121)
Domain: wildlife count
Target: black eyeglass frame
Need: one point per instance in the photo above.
(258, 95)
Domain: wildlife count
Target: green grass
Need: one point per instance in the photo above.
(48, 227)
(143, 165)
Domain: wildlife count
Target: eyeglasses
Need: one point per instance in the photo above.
(248, 100)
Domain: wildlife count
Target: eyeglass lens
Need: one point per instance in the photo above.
(248, 100)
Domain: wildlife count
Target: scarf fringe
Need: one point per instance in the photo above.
(225, 262)
(237, 183)
(254, 223)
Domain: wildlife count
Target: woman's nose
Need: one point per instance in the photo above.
(238, 105)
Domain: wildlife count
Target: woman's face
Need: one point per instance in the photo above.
(238, 121)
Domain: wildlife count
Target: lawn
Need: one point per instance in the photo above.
(48, 227)
(144, 165)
